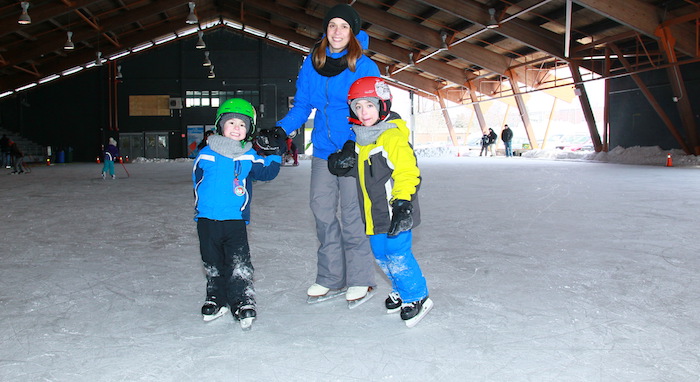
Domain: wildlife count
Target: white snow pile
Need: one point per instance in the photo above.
(648, 155)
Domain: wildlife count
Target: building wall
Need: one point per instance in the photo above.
(74, 111)
(633, 122)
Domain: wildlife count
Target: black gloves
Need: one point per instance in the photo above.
(402, 217)
(271, 141)
(341, 162)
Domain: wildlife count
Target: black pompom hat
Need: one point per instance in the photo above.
(346, 13)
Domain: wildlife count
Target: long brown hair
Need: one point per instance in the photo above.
(354, 52)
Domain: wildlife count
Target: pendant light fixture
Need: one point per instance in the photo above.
(191, 18)
(200, 42)
(69, 42)
(24, 18)
(207, 61)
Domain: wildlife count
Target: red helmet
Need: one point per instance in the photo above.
(370, 87)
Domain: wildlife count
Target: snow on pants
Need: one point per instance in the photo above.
(226, 257)
(395, 258)
(344, 255)
(108, 167)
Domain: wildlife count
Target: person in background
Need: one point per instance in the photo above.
(292, 151)
(507, 137)
(203, 143)
(17, 158)
(222, 176)
(492, 142)
(111, 153)
(5, 151)
(388, 176)
(484, 145)
(344, 257)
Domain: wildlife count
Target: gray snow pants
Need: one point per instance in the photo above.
(344, 257)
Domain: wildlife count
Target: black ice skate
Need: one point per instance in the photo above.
(245, 315)
(393, 303)
(413, 312)
(211, 310)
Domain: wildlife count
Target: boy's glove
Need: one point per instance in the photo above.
(402, 217)
(271, 141)
(341, 162)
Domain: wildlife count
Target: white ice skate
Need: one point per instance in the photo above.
(317, 293)
(358, 295)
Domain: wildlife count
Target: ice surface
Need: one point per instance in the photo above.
(540, 270)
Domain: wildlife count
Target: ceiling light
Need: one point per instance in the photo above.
(207, 61)
(211, 72)
(192, 18)
(119, 73)
(98, 60)
(410, 59)
(493, 23)
(24, 18)
(443, 45)
(69, 42)
(200, 41)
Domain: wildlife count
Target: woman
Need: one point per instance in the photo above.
(344, 256)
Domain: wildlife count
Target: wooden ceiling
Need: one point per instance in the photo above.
(427, 45)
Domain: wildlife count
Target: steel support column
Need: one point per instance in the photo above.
(586, 107)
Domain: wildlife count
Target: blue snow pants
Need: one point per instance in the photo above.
(395, 258)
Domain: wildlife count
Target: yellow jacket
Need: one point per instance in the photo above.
(387, 170)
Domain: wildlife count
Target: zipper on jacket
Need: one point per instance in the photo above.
(325, 115)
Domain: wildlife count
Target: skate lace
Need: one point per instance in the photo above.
(394, 297)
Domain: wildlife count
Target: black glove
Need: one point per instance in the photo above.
(271, 141)
(402, 217)
(341, 162)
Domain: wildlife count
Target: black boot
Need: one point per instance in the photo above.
(393, 302)
(411, 309)
(212, 310)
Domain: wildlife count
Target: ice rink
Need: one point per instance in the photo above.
(540, 270)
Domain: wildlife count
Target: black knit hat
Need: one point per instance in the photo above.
(346, 13)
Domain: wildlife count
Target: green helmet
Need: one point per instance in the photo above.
(239, 106)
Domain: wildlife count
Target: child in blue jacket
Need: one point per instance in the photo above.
(223, 173)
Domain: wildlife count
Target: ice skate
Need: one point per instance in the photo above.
(104, 175)
(358, 295)
(211, 310)
(317, 293)
(393, 303)
(413, 312)
(245, 315)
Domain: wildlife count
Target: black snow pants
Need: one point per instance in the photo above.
(226, 257)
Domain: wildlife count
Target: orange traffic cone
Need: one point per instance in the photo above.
(669, 161)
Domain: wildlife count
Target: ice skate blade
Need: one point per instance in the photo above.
(427, 305)
(355, 303)
(247, 323)
(333, 293)
(395, 310)
(218, 314)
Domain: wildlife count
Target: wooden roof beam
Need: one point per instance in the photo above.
(529, 34)
(645, 18)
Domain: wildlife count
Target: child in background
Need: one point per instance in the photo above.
(388, 178)
(110, 155)
(223, 176)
